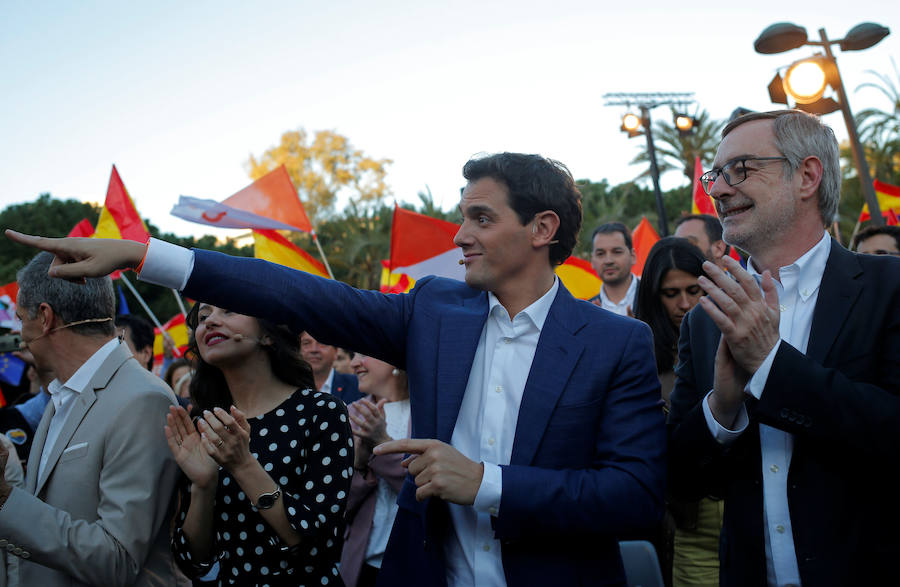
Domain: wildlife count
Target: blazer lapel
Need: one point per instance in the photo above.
(555, 358)
(838, 292)
(82, 404)
(460, 332)
(37, 447)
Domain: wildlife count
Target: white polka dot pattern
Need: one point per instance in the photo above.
(307, 459)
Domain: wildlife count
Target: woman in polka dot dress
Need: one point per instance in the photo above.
(268, 464)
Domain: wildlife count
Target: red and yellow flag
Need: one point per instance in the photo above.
(119, 218)
(702, 202)
(177, 329)
(643, 238)
(579, 278)
(83, 229)
(888, 199)
(394, 282)
(271, 246)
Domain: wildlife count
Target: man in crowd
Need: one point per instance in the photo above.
(531, 453)
(878, 240)
(705, 232)
(138, 335)
(321, 358)
(787, 399)
(97, 491)
(612, 257)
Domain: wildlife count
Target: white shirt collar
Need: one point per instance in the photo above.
(536, 312)
(808, 269)
(81, 378)
(629, 295)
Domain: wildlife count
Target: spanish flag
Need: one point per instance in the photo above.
(394, 282)
(422, 245)
(888, 200)
(177, 329)
(579, 278)
(119, 217)
(271, 246)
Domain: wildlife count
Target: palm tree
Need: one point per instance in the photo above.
(677, 151)
(880, 126)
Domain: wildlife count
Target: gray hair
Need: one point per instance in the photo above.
(799, 135)
(72, 302)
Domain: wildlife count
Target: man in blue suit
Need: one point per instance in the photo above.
(537, 432)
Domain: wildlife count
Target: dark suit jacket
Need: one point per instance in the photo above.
(841, 401)
(587, 460)
(346, 387)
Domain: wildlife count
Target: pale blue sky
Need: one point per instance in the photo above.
(179, 94)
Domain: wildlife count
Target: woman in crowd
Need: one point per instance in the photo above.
(667, 292)
(178, 377)
(381, 416)
(268, 462)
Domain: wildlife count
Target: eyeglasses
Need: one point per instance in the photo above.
(734, 172)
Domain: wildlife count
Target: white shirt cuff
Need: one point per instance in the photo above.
(723, 435)
(487, 499)
(167, 265)
(758, 382)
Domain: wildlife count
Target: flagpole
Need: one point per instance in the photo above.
(180, 302)
(146, 308)
(322, 253)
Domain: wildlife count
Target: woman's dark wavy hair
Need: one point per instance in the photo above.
(535, 184)
(208, 387)
(668, 253)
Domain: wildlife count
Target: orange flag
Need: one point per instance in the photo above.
(269, 203)
(422, 245)
(579, 278)
(119, 217)
(177, 329)
(271, 246)
(888, 199)
(702, 203)
(643, 238)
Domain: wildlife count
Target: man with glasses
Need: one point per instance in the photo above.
(787, 402)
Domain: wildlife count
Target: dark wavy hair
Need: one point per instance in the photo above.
(667, 254)
(535, 184)
(210, 390)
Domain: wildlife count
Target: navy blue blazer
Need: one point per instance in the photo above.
(841, 401)
(345, 387)
(588, 455)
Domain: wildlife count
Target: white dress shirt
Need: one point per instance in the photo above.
(485, 430)
(63, 396)
(485, 427)
(620, 307)
(326, 387)
(396, 415)
(798, 290)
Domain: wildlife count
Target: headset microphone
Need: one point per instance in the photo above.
(462, 261)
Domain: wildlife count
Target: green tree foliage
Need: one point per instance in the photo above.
(45, 216)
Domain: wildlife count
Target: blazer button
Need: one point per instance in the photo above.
(10, 547)
(17, 551)
(26, 554)
(784, 412)
(3, 542)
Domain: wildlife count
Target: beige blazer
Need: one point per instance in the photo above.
(98, 514)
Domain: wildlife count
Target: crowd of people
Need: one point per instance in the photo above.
(742, 417)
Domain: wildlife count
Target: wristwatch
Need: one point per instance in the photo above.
(267, 500)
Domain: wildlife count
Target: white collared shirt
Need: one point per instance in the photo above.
(485, 427)
(620, 307)
(63, 396)
(326, 387)
(798, 291)
(485, 430)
